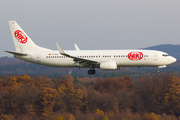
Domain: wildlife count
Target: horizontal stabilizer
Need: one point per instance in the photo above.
(16, 53)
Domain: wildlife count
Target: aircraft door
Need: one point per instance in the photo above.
(38, 58)
(155, 56)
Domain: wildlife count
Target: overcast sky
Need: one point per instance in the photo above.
(92, 24)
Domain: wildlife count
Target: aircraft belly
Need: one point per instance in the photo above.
(60, 62)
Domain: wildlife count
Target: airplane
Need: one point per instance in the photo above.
(28, 51)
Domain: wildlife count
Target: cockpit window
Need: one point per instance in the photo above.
(165, 55)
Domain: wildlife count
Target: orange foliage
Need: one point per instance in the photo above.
(74, 99)
(47, 97)
(86, 79)
(173, 95)
(68, 77)
(19, 80)
(112, 98)
(112, 85)
(41, 82)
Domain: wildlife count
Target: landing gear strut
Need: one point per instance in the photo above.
(158, 71)
(91, 71)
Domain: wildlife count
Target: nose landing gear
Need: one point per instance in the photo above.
(158, 71)
(91, 71)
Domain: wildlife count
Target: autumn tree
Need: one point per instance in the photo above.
(112, 85)
(172, 97)
(41, 82)
(74, 99)
(67, 77)
(19, 80)
(46, 101)
(31, 96)
(158, 94)
(17, 94)
(5, 104)
(125, 100)
(105, 102)
(17, 99)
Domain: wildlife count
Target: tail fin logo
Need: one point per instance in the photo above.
(20, 36)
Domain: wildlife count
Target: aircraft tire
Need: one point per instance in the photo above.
(158, 71)
(90, 72)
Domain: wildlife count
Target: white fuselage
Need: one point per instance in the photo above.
(28, 51)
(149, 58)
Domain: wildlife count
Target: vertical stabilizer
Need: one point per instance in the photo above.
(22, 41)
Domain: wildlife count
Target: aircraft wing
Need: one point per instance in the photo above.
(77, 60)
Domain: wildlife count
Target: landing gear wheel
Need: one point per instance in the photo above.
(91, 72)
(158, 71)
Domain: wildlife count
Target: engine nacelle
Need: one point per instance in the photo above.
(109, 65)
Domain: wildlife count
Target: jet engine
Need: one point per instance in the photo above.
(109, 65)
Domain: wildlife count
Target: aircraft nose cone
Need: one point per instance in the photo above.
(173, 59)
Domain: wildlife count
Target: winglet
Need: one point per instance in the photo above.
(60, 49)
(76, 47)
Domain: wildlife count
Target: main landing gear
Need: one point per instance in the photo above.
(91, 71)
